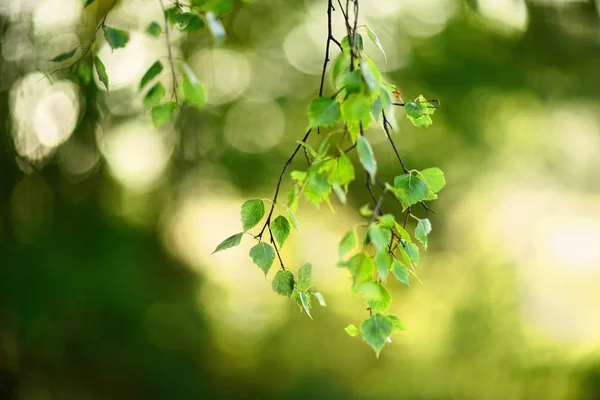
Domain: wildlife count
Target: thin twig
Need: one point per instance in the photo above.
(329, 36)
(170, 52)
(389, 136)
(276, 249)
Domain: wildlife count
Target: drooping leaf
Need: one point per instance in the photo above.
(85, 72)
(361, 268)
(380, 236)
(317, 188)
(375, 331)
(435, 179)
(151, 73)
(397, 325)
(320, 298)
(412, 251)
(194, 94)
(400, 272)
(281, 229)
(348, 243)
(356, 108)
(371, 75)
(172, 13)
(366, 156)
(324, 111)
(375, 40)
(66, 55)
(383, 262)
(101, 70)
(402, 232)
(346, 43)
(293, 219)
(305, 299)
(263, 255)
(252, 212)
(305, 277)
(163, 112)
(283, 283)
(365, 211)
(154, 96)
(154, 29)
(387, 220)
(351, 81)
(339, 65)
(344, 171)
(116, 38)
(410, 189)
(216, 28)
(376, 296)
(296, 297)
(422, 230)
(230, 242)
(352, 330)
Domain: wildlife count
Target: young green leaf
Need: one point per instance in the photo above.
(380, 236)
(375, 331)
(283, 283)
(230, 242)
(361, 268)
(305, 299)
(397, 325)
(320, 298)
(348, 243)
(387, 220)
(365, 211)
(317, 188)
(339, 65)
(383, 262)
(375, 40)
(343, 173)
(172, 14)
(162, 113)
(410, 189)
(346, 43)
(351, 81)
(116, 38)
(293, 219)
(263, 255)
(154, 96)
(356, 108)
(281, 229)
(435, 179)
(400, 272)
(216, 28)
(324, 111)
(371, 75)
(154, 29)
(305, 277)
(151, 73)
(339, 192)
(376, 296)
(352, 330)
(101, 70)
(422, 230)
(296, 297)
(189, 22)
(412, 251)
(194, 94)
(84, 70)
(366, 156)
(252, 212)
(66, 55)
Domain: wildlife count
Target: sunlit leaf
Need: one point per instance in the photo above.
(348, 243)
(422, 230)
(324, 111)
(352, 330)
(375, 40)
(366, 156)
(400, 272)
(154, 29)
(216, 28)
(263, 255)
(252, 212)
(283, 283)
(383, 262)
(189, 22)
(162, 113)
(305, 299)
(305, 277)
(320, 299)
(361, 268)
(281, 229)
(154, 96)
(380, 236)
(410, 189)
(101, 70)
(375, 331)
(397, 325)
(151, 73)
(230, 242)
(376, 296)
(116, 38)
(194, 94)
(66, 55)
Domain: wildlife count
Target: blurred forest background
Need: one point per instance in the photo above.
(107, 286)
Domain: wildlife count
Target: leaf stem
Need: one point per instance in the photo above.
(169, 50)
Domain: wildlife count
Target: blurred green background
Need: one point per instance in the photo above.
(107, 286)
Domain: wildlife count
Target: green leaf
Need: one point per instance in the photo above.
(340, 64)
(154, 29)
(402, 232)
(151, 73)
(88, 2)
(412, 251)
(387, 220)
(376, 296)
(365, 211)
(361, 268)
(283, 283)
(162, 113)
(400, 272)
(343, 173)
(375, 331)
(263, 255)
(351, 81)
(410, 189)
(415, 110)
(397, 325)
(281, 229)
(172, 14)
(339, 192)
(154, 95)
(230, 242)
(346, 43)
(252, 212)
(371, 75)
(317, 188)
(101, 70)
(84, 70)
(422, 230)
(383, 262)
(375, 40)
(435, 179)
(65, 55)
(296, 297)
(324, 111)
(320, 299)
(348, 243)
(194, 94)
(216, 28)
(380, 236)
(366, 156)
(116, 38)
(357, 108)
(189, 22)
(293, 219)
(305, 300)
(305, 277)
(352, 330)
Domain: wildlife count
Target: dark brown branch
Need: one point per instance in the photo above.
(386, 125)
(329, 37)
(276, 249)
